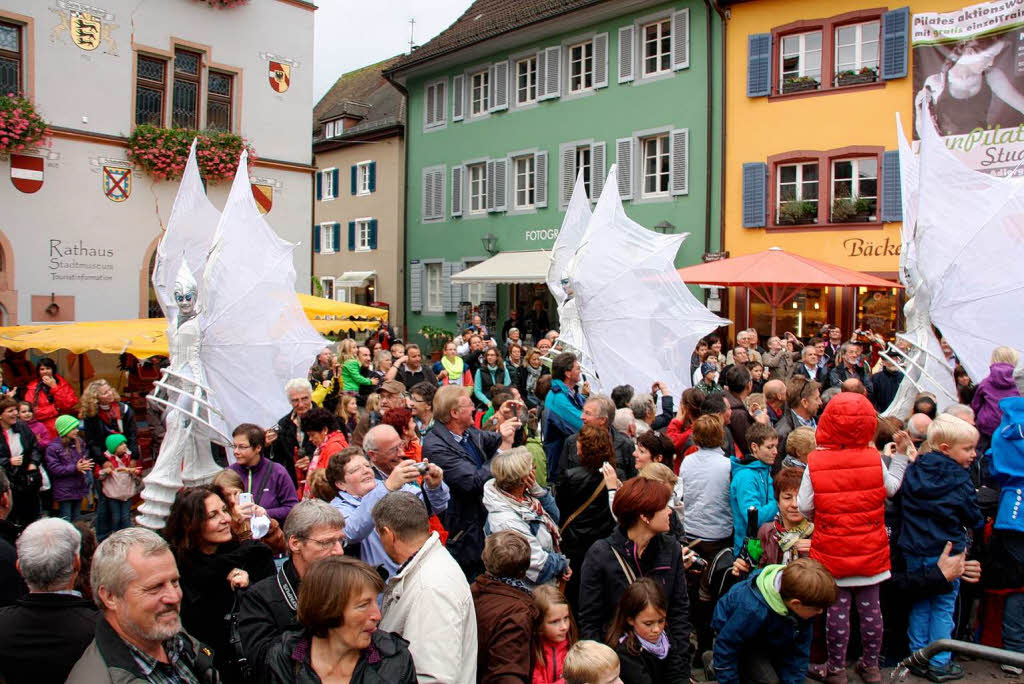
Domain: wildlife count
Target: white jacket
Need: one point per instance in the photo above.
(704, 488)
(429, 604)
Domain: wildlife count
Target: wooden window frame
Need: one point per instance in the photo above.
(229, 100)
(824, 159)
(20, 56)
(189, 78)
(827, 26)
(150, 85)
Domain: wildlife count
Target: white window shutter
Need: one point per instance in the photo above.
(597, 170)
(457, 172)
(499, 86)
(681, 39)
(429, 94)
(601, 60)
(415, 286)
(680, 142)
(566, 174)
(626, 52)
(458, 96)
(552, 72)
(489, 185)
(624, 162)
(438, 200)
(446, 288)
(440, 111)
(542, 60)
(428, 194)
(500, 183)
(540, 180)
(455, 291)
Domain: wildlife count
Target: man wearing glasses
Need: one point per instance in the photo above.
(803, 399)
(392, 395)
(314, 530)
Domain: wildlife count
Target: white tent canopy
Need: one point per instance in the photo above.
(508, 267)
(353, 278)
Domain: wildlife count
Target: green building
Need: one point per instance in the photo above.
(512, 100)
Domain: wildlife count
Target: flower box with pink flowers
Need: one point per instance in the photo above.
(162, 152)
(21, 126)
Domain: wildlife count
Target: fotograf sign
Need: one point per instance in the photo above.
(541, 234)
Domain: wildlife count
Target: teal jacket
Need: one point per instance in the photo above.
(751, 486)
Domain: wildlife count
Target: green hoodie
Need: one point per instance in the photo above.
(766, 585)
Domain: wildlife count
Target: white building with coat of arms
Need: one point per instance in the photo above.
(79, 222)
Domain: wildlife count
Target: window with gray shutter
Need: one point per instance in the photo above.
(490, 186)
(597, 170)
(892, 193)
(895, 32)
(542, 61)
(457, 187)
(433, 192)
(601, 60)
(759, 64)
(428, 194)
(755, 191)
(680, 141)
(446, 288)
(497, 170)
(624, 163)
(456, 293)
(566, 173)
(681, 39)
(440, 103)
(438, 201)
(415, 286)
(552, 73)
(626, 54)
(540, 180)
(458, 96)
(499, 86)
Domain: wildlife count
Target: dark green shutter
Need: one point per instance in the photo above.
(319, 186)
(316, 237)
(351, 236)
(336, 227)
(373, 176)
(373, 232)
(354, 176)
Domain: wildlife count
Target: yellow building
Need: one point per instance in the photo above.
(812, 89)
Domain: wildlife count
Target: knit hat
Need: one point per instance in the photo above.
(707, 367)
(113, 441)
(66, 424)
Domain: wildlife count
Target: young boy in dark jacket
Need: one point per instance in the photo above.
(765, 623)
(939, 505)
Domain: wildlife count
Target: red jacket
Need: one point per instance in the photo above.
(849, 491)
(549, 671)
(47, 406)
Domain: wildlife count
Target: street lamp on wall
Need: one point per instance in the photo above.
(490, 242)
(665, 227)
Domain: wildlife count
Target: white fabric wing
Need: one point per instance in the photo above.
(189, 235)
(255, 334)
(640, 320)
(574, 225)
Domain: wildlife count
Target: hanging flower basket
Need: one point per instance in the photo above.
(224, 4)
(162, 152)
(21, 127)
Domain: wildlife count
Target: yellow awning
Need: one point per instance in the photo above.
(145, 337)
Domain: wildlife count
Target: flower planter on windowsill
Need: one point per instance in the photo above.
(799, 86)
(856, 218)
(855, 79)
(796, 221)
(162, 152)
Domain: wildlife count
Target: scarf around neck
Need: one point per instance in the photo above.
(533, 505)
(788, 538)
(659, 648)
(455, 369)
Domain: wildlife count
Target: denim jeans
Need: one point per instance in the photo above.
(118, 515)
(1013, 623)
(70, 510)
(101, 522)
(932, 618)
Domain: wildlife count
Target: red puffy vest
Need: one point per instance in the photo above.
(849, 491)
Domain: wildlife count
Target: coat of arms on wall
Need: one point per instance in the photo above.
(279, 71)
(87, 26)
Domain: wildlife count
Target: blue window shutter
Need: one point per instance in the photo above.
(316, 238)
(895, 32)
(755, 189)
(373, 176)
(351, 236)
(373, 233)
(354, 178)
(892, 193)
(336, 228)
(319, 186)
(759, 64)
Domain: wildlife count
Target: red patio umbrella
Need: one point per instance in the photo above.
(775, 276)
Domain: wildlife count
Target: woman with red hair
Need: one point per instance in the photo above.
(640, 546)
(401, 419)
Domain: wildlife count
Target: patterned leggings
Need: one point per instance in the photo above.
(837, 631)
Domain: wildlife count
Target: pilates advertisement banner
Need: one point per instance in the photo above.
(968, 70)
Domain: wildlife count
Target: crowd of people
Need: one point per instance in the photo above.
(488, 517)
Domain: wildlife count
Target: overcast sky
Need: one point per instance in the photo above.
(354, 33)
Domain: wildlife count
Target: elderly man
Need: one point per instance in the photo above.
(961, 411)
(563, 408)
(599, 410)
(428, 602)
(809, 366)
(392, 395)
(747, 341)
(139, 637)
(313, 530)
(289, 445)
(464, 453)
(848, 365)
(46, 632)
(917, 426)
(625, 422)
(775, 399)
(779, 359)
(644, 407)
(803, 400)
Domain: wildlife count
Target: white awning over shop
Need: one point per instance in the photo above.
(353, 278)
(508, 267)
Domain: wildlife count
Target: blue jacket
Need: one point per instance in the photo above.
(1007, 465)
(563, 416)
(939, 502)
(751, 486)
(743, 619)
